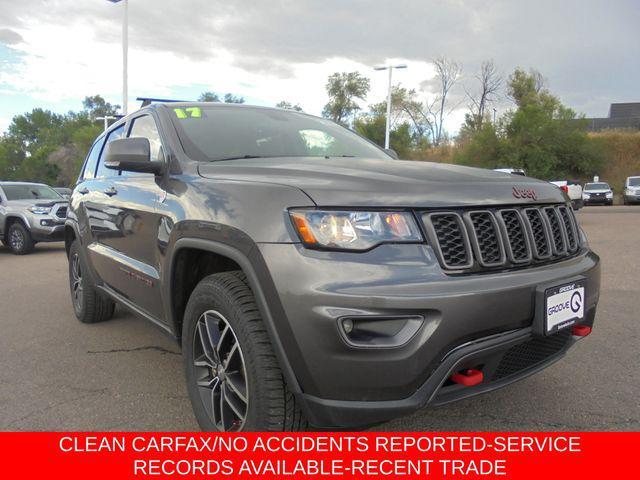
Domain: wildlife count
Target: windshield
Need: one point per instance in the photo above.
(634, 182)
(219, 132)
(596, 186)
(29, 192)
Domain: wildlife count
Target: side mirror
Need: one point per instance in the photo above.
(131, 155)
(392, 153)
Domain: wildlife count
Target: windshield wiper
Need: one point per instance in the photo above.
(239, 157)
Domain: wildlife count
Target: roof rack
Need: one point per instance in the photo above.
(148, 101)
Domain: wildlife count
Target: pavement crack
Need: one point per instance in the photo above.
(155, 348)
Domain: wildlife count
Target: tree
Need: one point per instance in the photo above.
(96, 106)
(343, 90)
(229, 98)
(373, 126)
(541, 135)
(289, 106)
(490, 83)
(208, 97)
(215, 98)
(437, 110)
(526, 88)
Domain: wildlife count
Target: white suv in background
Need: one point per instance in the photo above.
(631, 193)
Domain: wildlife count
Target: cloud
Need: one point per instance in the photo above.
(9, 37)
(285, 49)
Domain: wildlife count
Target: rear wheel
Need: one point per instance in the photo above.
(233, 377)
(19, 238)
(89, 305)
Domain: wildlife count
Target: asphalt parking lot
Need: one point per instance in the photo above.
(58, 374)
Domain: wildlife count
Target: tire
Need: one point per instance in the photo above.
(89, 305)
(19, 239)
(241, 387)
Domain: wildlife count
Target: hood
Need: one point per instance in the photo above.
(359, 182)
(32, 202)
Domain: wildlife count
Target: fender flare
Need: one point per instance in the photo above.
(19, 216)
(247, 267)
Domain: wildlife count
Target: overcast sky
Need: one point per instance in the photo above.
(54, 53)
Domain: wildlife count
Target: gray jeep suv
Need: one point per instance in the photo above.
(30, 213)
(312, 279)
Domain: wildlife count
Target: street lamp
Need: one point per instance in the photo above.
(125, 48)
(106, 119)
(386, 132)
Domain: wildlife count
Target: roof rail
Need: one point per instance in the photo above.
(148, 101)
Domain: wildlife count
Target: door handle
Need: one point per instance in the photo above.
(111, 191)
(83, 191)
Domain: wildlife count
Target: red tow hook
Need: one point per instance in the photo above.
(580, 330)
(468, 378)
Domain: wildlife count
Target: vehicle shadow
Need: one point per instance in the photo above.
(40, 249)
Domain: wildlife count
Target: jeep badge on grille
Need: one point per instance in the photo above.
(524, 193)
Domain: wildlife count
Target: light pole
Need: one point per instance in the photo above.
(494, 115)
(388, 126)
(125, 52)
(106, 119)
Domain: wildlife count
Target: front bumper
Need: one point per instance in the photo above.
(53, 233)
(465, 317)
(635, 198)
(598, 201)
(46, 228)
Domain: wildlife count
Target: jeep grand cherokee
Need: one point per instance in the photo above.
(312, 279)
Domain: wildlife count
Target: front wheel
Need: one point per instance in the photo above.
(19, 238)
(233, 377)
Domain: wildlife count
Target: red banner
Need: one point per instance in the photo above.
(319, 455)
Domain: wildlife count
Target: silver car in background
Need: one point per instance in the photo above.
(30, 213)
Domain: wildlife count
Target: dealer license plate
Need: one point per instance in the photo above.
(564, 306)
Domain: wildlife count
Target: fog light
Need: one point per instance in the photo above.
(46, 223)
(347, 325)
(371, 331)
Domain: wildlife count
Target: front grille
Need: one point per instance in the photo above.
(539, 233)
(501, 237)
(517, 240)
(531, 353)
(558, 243)
(61, 212)
(569, 228)
(488, 244)
(452, 239)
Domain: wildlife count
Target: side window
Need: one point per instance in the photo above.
(145, 127)
(92, 160)
(102, 170)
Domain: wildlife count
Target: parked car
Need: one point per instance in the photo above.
(30, 213)
(312, 279)
(597, 193)
(573, 189)
(631, 191)
(512, 171)
(63, 191)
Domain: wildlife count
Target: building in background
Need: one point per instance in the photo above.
(621, 115)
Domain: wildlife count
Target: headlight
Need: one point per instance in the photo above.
(354, 230)
(609, 194)
(39, 210)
